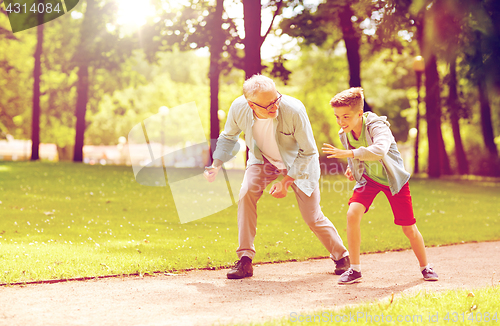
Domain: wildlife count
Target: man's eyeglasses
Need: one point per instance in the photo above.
(270, 106)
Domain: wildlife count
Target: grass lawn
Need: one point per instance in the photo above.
(64, 220)
(454, 307)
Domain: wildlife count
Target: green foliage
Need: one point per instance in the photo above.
(62, 50)
(315, 25)
(321, 72)
(191, 26)
(481, 163)
(177, 78)
(16, 83)
(72, 220)
(123, 94)
(318, 74)
(386, 80)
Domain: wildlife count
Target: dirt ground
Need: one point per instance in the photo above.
(276, 290)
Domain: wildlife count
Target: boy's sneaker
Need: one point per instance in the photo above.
(349, 277)
(429, 274)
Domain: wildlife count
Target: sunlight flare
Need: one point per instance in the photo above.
(134, 13)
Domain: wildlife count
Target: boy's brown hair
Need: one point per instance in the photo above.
(352, 97)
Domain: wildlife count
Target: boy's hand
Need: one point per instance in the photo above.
(335, 152)
(348, 174)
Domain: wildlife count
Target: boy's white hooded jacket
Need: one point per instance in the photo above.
(382, 147)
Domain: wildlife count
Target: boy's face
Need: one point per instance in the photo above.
(347, 118)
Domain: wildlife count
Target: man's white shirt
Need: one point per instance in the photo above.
(264, 134)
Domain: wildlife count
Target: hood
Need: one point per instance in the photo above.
(372, 117)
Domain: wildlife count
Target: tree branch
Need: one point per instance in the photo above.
(279, 4)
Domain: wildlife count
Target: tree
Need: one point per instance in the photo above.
(200, 25)
(83, 58)
(438, 162)
(351, 40)
(455, 108)
(484, 102)
(37, 72)
(449, 23)
(332, 17)
(433, 114)
(252, 12)
(252, 21)
(186, 31)
(253, 40)
(216, 48)
(16, 97)
(471, 26)
(99, 48)
(404, 15)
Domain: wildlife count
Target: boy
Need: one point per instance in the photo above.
(376, 165)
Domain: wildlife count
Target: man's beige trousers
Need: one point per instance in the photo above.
(257, 178)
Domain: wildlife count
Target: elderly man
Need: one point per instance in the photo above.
(280, 141)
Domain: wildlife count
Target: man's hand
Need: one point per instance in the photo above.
(280, 189)
(335, 152)
(211, 172)
(348, 174)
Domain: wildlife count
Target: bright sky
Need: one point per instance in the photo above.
(131, 16)
(273, 45)
(133, 12)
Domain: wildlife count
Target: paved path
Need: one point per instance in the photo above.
(276, 290)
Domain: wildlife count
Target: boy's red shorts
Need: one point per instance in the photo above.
(401, 205)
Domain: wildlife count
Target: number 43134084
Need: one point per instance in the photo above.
(473, 316)
(17, 8)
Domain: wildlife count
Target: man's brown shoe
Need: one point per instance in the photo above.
(342, 265)
(243, 268)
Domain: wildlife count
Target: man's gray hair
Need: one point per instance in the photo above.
(257, 84)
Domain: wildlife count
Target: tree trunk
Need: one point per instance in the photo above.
(351, 40)
(216, 45)
(454, 107)
(253, 40)
(493, 11)
(486, 125)
(82, 91)
(37, 72)
(432, 115)
(438, 160)
(252, 24)
(484, 102)
(420, 40)
(444, 160)
(416, 168)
